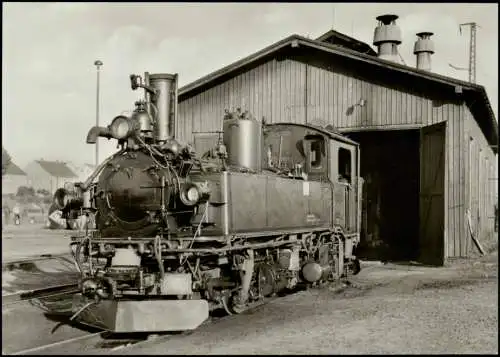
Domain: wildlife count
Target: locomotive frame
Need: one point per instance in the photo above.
(258, 216)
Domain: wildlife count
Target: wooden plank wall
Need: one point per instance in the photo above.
(274, 91)
(291, 91)
(333, 96)
(479, 182)
(456, 245)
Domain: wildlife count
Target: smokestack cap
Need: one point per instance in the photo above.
(387, 31)
(425, 34)
(424, 43)
(162, 76)
(387, 19)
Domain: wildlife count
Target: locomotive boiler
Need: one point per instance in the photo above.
(180, 233)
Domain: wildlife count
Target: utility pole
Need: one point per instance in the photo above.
(98, 65)
(472, 50)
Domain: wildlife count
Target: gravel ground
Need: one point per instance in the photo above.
(388, 309)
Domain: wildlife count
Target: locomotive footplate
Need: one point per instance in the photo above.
(127, 316)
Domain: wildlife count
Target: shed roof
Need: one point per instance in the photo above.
(56, 168)
(13, 169)
(476, 93)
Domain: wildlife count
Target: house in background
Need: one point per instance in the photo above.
(13, 178)
(82, 171)
(49, 175)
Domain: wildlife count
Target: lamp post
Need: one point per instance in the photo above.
(98, 65)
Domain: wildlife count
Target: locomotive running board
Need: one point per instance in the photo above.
(127, 316)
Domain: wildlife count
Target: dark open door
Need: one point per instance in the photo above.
(432, 194)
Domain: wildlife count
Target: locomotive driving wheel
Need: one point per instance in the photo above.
(266, 280)
(263, 285)
(231, 306)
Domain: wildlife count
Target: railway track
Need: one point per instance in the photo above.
(106, 342)
(102, 342)
(46, 312)
(33, 307)
(8, 265)
(43, 293)
(31, 286)
(76, 338)
(98, 342)
(37, 277)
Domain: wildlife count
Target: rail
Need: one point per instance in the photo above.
(53, 291)
(56, 344)
(44, 292)
(105, 342)
(12, 264)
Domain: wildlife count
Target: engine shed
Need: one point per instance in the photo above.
(428, 142)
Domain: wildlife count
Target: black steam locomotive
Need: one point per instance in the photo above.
(178, 234)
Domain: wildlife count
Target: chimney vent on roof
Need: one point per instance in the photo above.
(424, 48)
(387, 38)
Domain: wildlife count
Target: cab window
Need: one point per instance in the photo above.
(344, 165)
(316, 152)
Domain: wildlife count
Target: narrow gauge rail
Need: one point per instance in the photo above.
(60, 344)
(105, 341)
(53, 291)
(26, 262)
(102, 342)
(29, 263)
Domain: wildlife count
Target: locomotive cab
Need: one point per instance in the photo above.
(321, 155)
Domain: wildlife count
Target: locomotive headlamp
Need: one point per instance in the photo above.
(193, 194)
(190, 195)
(121, 127)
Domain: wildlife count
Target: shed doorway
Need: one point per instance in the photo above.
(404, 199)
(390, 167)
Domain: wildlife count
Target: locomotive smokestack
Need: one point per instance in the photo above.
(165, 104)
(387, 37)
(424, 48)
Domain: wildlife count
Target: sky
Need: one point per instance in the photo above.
(49, 49)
